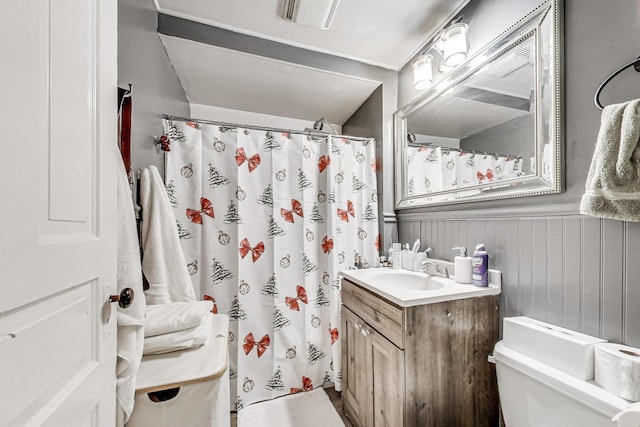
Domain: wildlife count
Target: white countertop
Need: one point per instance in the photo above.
(381, 281)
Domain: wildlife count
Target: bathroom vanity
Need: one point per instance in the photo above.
(417, 357)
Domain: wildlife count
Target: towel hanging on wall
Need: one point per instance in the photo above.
(612, 189)
(130, 320)
(163, 262)
(124, 127)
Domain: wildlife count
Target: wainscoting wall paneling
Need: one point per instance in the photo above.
(570, 270)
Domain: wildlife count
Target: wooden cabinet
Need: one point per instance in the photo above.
(356, 369)
(366, 351)
(418, 366)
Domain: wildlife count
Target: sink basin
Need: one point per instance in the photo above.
(408, 288)
(409, 281)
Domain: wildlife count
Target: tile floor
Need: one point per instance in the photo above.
(336, 399)
(334, 396)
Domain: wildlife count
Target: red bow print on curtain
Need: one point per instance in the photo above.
(488, 176)
(214, 310)
(250, 342)
(205, 208)
(334, 335)
(306, 386)
(292, 303)
(164, 143)
(327, 244)
(256, 251)
(343, 213)
(252, 161)
(323, 162)
(296, 208)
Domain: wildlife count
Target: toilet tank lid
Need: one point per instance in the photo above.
(586, 392)
(569, 351)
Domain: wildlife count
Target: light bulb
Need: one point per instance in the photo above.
(455, 44)
(422, 72)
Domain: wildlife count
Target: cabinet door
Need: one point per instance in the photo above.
(356, 362)
(387, 365)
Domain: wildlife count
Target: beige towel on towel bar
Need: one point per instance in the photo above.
(612, 189)
(163, 261)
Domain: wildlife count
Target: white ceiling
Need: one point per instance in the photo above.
(251, 83)
(384, 33)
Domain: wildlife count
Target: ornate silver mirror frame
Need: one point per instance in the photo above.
(518, 170)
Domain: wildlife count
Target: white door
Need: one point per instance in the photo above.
(57, 218)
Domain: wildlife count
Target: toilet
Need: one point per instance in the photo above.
(545, 378)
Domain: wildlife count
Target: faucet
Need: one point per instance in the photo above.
(431, 268)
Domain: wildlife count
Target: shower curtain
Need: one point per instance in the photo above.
(434, 169)
(266, 220)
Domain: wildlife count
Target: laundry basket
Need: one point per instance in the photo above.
(186, 387)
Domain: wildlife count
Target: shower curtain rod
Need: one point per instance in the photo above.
(268, 129)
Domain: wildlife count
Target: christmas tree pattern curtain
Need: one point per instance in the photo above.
(267, 220)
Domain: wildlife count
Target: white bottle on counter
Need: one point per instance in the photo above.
(395, 255)
(462, 265)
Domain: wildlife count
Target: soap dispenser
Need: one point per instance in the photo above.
(480, 269)
(462, 266)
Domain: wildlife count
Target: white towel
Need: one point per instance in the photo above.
(612, 189)
(179, 340)
(177, 316)
(163, 262)
(131, 319)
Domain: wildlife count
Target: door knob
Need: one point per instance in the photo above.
(124, 299)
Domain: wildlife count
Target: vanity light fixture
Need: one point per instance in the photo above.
(451, 44)
(422, 72)
(455, 44)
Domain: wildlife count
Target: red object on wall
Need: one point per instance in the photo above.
(124, 127)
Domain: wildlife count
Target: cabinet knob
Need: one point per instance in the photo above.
(125, 298)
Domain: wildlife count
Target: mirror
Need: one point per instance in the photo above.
(489, 129)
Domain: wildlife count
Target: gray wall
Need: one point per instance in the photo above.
(512, 137)
(559, 266)
(578, 272)
(367, 122)
(143, 62)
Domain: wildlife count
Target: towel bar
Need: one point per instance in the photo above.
(596, 98)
